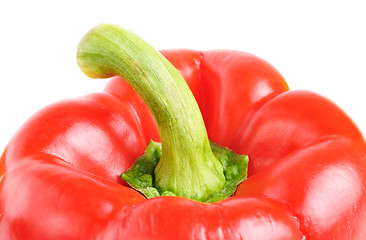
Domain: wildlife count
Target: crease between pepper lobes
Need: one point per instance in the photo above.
(188, 165)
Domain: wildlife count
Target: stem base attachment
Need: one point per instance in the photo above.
(141, 174)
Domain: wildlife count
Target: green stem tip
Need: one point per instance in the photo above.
(187, 165)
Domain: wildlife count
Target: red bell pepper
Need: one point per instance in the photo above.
(60, 173)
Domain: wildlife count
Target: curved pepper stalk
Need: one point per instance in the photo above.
(187, 166)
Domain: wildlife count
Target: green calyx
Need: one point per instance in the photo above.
(141, 175)
(187, 165)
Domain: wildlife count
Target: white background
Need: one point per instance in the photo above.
(316, 45)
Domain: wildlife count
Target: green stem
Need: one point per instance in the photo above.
(187, 166)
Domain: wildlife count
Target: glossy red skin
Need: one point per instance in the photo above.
(307, 170)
